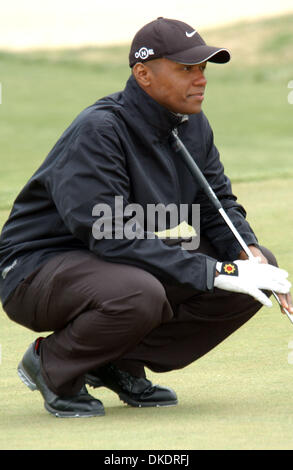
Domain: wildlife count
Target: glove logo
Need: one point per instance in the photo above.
(229, 268)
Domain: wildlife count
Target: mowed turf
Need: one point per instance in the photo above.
(239, 395)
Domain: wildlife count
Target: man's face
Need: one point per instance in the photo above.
(178, 87)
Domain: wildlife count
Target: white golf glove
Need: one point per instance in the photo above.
(249, 276)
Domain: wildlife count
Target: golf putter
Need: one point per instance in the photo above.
(180, 148)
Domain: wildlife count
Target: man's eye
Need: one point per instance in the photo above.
(189, 68)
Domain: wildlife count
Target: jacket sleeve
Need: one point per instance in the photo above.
(90, 173)
(212, 224)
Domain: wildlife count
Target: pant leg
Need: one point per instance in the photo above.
(96, 310)
(104, 312)
(201, 322)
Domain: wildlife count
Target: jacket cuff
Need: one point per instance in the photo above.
(235, 248)
(211, 273)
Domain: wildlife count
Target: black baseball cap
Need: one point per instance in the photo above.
(174, 40)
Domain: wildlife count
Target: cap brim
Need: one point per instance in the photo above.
(199, 54)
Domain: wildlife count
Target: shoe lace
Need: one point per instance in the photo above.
(129, 382)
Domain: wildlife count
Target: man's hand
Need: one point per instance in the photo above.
(256, 253)
(286, 302)
(250, 277)
(285, 299)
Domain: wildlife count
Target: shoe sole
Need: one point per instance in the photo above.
(27, 380)
(138, 404)
(70, 414)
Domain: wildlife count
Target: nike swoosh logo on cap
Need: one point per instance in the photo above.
(189, 35)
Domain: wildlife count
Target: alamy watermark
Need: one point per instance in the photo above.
(134, 221)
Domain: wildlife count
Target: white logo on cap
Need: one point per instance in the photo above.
(189, 35)
(143, 53)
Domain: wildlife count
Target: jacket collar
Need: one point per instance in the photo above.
(138, 102)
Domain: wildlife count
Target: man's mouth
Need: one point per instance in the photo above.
(199, 95)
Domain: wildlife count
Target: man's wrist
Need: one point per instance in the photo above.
(243, 255)
(218, 268)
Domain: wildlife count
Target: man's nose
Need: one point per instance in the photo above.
(200, 79)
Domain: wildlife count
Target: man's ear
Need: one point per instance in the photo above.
(142, 74)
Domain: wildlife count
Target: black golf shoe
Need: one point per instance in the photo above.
(134, 391)
(78, 406)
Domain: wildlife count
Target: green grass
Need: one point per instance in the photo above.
(239, 395)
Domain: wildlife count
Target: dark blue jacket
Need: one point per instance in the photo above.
(120, 146)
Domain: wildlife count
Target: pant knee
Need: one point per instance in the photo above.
(151, 304)
(137, 304)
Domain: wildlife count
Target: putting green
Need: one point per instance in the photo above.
(239, 395)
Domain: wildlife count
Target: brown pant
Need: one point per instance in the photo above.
(103, 312)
